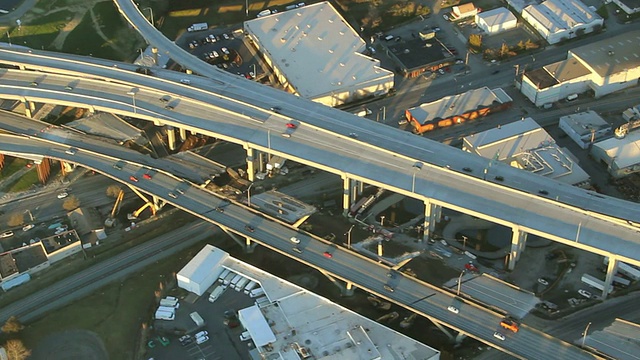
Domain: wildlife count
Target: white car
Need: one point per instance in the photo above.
(202, 339)
(6, 234)
(445, 16)
(543, 281)
(28, 227)
(202, 333)
(453, 309)
(63, 195)
(295, 240)
(498, 336)
(585, 293)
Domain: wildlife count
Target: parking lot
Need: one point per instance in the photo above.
(224, 341)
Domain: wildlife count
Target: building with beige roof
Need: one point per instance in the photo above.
(317, 55)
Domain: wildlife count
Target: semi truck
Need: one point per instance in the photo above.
(626, 270)
(198, 27)
(594, 282)
(241, 284)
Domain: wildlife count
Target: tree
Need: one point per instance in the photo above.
(16, 350)
(15, 219)
(475, 40)
(113, 191)
(12, 325)
(71, 203)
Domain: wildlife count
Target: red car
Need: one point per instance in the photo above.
(291, 125)
(133, 178)
(147, 176)
(327, 254)
(471, 268)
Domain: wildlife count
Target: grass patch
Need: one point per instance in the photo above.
(12, 165)
(25, 182)
(39, 33)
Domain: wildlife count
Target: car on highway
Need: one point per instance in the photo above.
(133, 178)
(327, 254)
(294, 240)
(510, 324)
(147, 176)
(71, 151)
(297, 249)
(68, 88)
(28, 227)
(543, 281)
(172, 195)
(169, 107)
(249, 228)
(219, 209)
(63, 195)
(353, 135)
(453, 309)
(585, 293)
(291, 125)
(388, 288)
(276, 109)
(499, 336)
(286, 134)
(202, 339)
(117, 166)
(6, 234)
(495, 72)
(165, 99)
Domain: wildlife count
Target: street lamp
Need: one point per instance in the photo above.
(384, 113)
(382, 220)
(348, 233)
(132, 92)
(459, 283)
(246, 8)
(269, 139)
(151, 11)
(9, 37)
(464, 243)
(584, 338)
(416, 167)
(249, 194)
(30, 214)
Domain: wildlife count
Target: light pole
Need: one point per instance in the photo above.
(255, 72)
(249, 195)
(269, 139)
(348, 233)
(246, 8)
(151, 11)
(459, 283)
(30, 214)
(133, 98)
(9, 37)
(584, 338)
(464, 243)
(384, 113)
(416, 167)
(382, 220)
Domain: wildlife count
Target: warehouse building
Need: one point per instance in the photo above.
(526, 145)
(463, 11)
(628, 6)
(317, 55)
(603, 67)
(559, 20)
(620, 156)
(496, 20)
(585, 128)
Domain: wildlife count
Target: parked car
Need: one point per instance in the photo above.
(63, 195)
(543, 281)
(28, 227)
(202, 333)
(6, 234)
(585, 293)
(202, 339)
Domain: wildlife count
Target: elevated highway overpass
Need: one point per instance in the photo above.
(236, 110)
(350, 267)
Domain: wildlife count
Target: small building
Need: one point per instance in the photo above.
(496, 20)
(315, 54)
(603, 67)
(585, 128)
(526, 145)
(414, 57)
(463, 11)
(628, 6)
(620, 156)
(559, 20)
(456, 109)
(202, 271)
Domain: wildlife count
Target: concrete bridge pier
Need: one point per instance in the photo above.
(346, 288)
(29, 108)
(612, 269)
(444, 330)
(183, 134)
(459, 338)
(432, 214)
(346, 195)
(518, 243)
(251, 164)
(171, 138)
(246, 245)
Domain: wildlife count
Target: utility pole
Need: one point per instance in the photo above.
(459, 283)
(584, 338)
(249, 195)
(348, 233)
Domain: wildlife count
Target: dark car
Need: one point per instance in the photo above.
(249, 228)
(495, 72)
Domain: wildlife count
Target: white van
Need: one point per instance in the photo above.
(572, 97)
(389, 38)
(245, 336)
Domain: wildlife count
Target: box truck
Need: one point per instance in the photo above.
(165, 315)
(594, 282)
(256, 292)
(198, 27)
(197, 318)
(241, 284)
(250, 286)
(223, 275)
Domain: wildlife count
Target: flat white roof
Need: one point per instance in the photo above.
(258, 327)
(315, 49)
(612, 55)
(625, 152)
(205, 261)
(583, 123)
(526, 145)
(302, 319)
(497, 16)
(562, 15)
(458, 104)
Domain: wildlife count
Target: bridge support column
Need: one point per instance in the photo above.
(92, 110)
(171, 138)
(263, 159)
(360, 187)
(431, 212)
(29, 108)
(346, 289)
(183, 134)
(251, 164)
(612, 269)
(380, 248)
(249, 246)
(346, 196)
(444, 330)
(233, 236)
(459, 338)
(518, 242)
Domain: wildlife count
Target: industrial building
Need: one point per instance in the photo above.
(289, 322)
(496, 21)
(414, 57)
(317, 55)
(620, 156)
(202, 271)
(525, 145)
(463, 11)
(603, 67)
(628, 6)
(585, 128)
(457, 109)
(559, 20)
